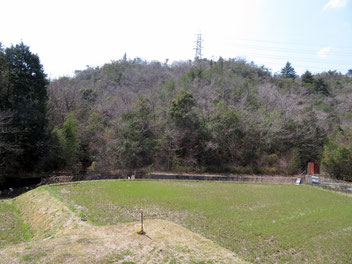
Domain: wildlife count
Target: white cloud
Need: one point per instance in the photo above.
(324, 52)
(335, 4)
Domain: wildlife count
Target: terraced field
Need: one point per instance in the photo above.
(259, 222)
(59, 235)
(186, 222)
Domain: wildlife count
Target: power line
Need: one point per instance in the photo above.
(295, 44)
(297, 64)
(334, 54)
(288, 56)
(277, 52)
(333, 51)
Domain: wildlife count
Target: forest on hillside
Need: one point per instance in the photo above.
(189, 116)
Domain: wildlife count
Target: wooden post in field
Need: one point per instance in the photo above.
(142, 221)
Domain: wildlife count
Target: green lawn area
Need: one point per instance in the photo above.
(12, 228)
(259, 222)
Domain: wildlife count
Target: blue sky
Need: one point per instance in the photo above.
(68, 35)
(315, 35)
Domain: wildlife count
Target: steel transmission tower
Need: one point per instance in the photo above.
(198, 47)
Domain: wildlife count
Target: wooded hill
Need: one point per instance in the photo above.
(203, 115)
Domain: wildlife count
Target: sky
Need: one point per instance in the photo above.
(70, 35)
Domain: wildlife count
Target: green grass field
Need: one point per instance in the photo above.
(12, 228)
(259, 222)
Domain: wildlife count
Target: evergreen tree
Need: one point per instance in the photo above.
(23, 91)
(337, 156)
(181, 111)
(226, 135)
(307, 78)
(349, 73)
(55, 158)
(188, 136)
(70, 144)
(320, 86)
(136, 148)
(288, 71)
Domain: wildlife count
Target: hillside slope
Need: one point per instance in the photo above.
(215, 116)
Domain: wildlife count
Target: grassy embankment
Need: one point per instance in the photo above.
(259, 222)
(60, 235)
(12, 228)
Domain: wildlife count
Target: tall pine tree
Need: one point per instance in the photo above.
(288, 71)
(23, 92)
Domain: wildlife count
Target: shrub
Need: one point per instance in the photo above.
(337, 157)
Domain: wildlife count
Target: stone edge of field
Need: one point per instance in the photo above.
(60, 236)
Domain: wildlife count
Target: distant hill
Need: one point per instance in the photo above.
(225, 115)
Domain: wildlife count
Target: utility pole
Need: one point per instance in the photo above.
(198, 47)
